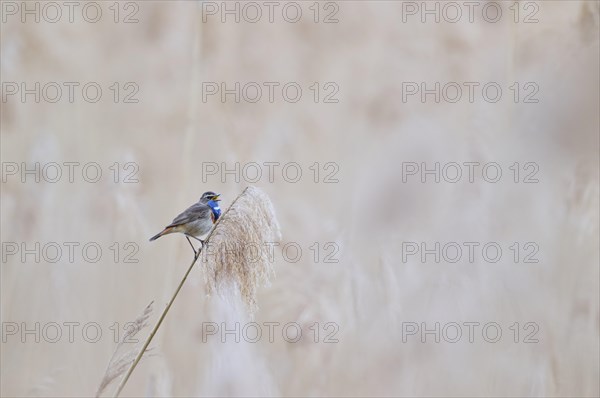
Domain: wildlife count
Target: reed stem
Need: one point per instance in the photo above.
(164, 313)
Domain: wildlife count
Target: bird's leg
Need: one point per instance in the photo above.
(199, 240)
(193, 248)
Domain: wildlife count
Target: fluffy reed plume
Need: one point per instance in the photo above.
(250, 218)
(237, 257)
(124, 356)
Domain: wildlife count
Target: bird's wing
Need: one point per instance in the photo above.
(194, 212)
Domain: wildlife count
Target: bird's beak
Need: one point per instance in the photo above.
(216, 198)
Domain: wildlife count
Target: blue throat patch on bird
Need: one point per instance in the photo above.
(214, 206)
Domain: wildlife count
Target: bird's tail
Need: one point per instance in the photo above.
(163, 232)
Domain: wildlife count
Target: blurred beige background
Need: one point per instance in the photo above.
(370, 293)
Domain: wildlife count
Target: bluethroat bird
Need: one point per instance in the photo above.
(196, 221)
